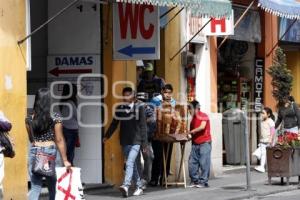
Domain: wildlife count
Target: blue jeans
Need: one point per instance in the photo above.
(37, 180)
(71, 136)
(200, 159)
(131, 152)
(145, 170)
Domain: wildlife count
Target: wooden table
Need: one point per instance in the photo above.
(168, 139)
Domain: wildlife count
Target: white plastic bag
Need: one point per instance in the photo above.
(68, 186)
(258, 152)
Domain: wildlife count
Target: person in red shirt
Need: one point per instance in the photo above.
(200, 156)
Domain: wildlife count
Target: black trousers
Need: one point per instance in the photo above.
(157, 165)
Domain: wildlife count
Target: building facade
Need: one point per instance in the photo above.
(55, 43)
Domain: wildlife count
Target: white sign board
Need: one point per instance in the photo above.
(194, 24)
(135, 32)
(70, 67)
(222, 26)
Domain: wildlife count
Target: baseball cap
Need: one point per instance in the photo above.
(139, 63)
(149, 67)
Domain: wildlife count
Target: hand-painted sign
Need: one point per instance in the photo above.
(194, 24)
(135, 32)
(258, 84)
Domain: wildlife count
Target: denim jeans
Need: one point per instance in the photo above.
(200, 159)
(70, 138)
(131, 173)
(145, 170)
(37, 180)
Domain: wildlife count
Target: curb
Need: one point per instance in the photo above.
(86, 188)
(262, 194)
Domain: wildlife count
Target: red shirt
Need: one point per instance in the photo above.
(204, 135)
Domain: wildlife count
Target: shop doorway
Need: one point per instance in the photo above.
(68, 50)
(236, 61)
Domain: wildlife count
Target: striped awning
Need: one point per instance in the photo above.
(201, 8)
(282, 8)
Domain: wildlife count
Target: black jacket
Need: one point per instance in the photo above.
(289, 115)
(133, 127)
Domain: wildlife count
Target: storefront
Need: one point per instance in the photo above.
(78, 41)
(290, 42)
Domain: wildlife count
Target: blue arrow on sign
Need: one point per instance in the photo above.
(130, 50)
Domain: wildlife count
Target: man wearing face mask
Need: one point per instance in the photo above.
(151, 84)
(157, 167)
(133, 135)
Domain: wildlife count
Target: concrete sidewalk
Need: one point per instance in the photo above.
(227, 186)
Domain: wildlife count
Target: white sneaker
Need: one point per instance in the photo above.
(124, 190)
(260, 169)
(195, 185)
(138, 192)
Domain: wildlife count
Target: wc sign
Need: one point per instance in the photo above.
(219, 26)
(135, 32)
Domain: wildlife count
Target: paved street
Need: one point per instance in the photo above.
(291, 195)
(228, 186)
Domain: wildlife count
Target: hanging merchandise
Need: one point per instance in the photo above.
(191, 81)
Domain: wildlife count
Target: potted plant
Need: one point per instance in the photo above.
(283, 160)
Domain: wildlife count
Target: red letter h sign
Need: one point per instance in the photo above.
(221, 22)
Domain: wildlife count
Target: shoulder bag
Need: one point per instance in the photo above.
(43, 163)
(7, 144)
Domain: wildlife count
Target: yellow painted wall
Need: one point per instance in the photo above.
(293, 63)
(126, 70)
(13, 101)
(115, 71)
(171, 36)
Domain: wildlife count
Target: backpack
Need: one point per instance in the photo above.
(5, 141)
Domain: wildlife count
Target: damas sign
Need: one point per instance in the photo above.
(135, 32)
(72, 65)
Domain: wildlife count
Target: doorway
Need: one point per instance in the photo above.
(68, 50)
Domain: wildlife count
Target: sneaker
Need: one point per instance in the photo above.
(195, 185)
(138, 192)
(153, 183)
(205, 185)
(260, 169)
(124, 190)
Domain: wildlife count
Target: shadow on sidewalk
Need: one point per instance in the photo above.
(114, 192)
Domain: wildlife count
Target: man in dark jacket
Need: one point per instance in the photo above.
(133, 135)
